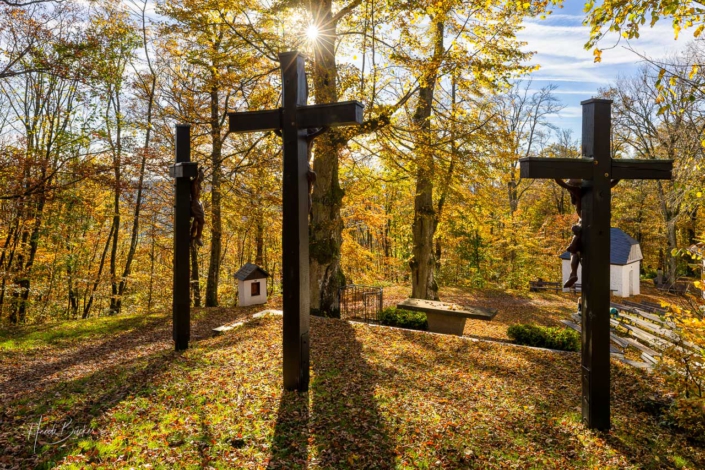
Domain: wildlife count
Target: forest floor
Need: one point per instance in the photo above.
(110, 392)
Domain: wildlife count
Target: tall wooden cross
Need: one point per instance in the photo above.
(182, 172)
(597, 169)
(295, 120)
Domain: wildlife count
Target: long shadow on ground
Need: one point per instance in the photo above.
(73, 404)
(344, 428)
(502, 405)
(290, 442)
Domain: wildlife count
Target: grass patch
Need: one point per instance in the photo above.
(69, 331)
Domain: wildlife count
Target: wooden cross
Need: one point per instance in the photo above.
(182, 172)
(597, 169)
(295, 120)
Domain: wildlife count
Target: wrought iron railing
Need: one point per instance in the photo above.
(363, 303)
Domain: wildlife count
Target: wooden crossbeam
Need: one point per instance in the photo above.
(556, 168)
(253, 121)
(329, 115)
(628, 169)
(583, 168)
(307, 117)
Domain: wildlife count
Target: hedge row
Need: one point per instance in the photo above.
(392, 316)
(545, 337)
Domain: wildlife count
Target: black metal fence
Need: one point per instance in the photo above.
(363, 303)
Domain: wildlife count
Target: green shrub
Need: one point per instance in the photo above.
(545, 337)
(392, 316)
(688, 415)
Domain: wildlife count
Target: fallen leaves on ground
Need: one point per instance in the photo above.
(379, 398)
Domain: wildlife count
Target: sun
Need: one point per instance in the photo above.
(312, 32)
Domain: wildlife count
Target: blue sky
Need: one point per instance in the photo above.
(558, 42)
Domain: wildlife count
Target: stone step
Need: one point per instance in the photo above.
(641, 347)
(222, 329)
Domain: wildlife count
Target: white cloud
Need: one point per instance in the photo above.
(559, 46)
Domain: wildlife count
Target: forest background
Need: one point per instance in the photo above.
(426, 192)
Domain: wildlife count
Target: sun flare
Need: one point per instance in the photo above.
(312, 32)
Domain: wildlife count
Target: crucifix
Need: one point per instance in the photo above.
(297, 124)
(182, 171)
(596, 173)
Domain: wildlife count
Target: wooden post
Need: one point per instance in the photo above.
(295, 277)
(596, 212)
(182, 237)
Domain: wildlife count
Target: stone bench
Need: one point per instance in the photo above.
(447, 318)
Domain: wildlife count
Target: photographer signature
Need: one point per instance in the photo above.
(62, 432)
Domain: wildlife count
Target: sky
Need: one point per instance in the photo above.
(558, 42)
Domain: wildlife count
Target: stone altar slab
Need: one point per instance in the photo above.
(447, 318)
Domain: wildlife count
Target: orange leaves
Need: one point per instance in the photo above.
(379, 398)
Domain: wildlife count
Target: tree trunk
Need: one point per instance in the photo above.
(671, 263)
(259, 241)
(117, 162)
(150, 291)
(26, 267)
(326, 226)
(216, 222)
(513, 195)
(6, 260)
(138, 201)
(89, 304)
(692, 227)
(448, 179)
(422, 262)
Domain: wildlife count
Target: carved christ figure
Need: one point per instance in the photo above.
(575, 189)
(310, 174)
(197, 212)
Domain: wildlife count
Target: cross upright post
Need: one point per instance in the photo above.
(182, 171)
(598, 171)
(294, 119)
(596, 208)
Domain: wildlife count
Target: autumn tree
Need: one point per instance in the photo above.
(116, 40)
(524, 114)
(208, 68)
(47, 130)
(644, 128)
(475, 45)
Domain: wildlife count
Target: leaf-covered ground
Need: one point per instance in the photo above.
(379, 398)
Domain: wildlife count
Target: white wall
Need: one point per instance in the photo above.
(636, 277)
(566, 273)
(244, 288)
(619, 278)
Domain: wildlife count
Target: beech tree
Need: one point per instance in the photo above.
(645, 129)
(206, 69)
